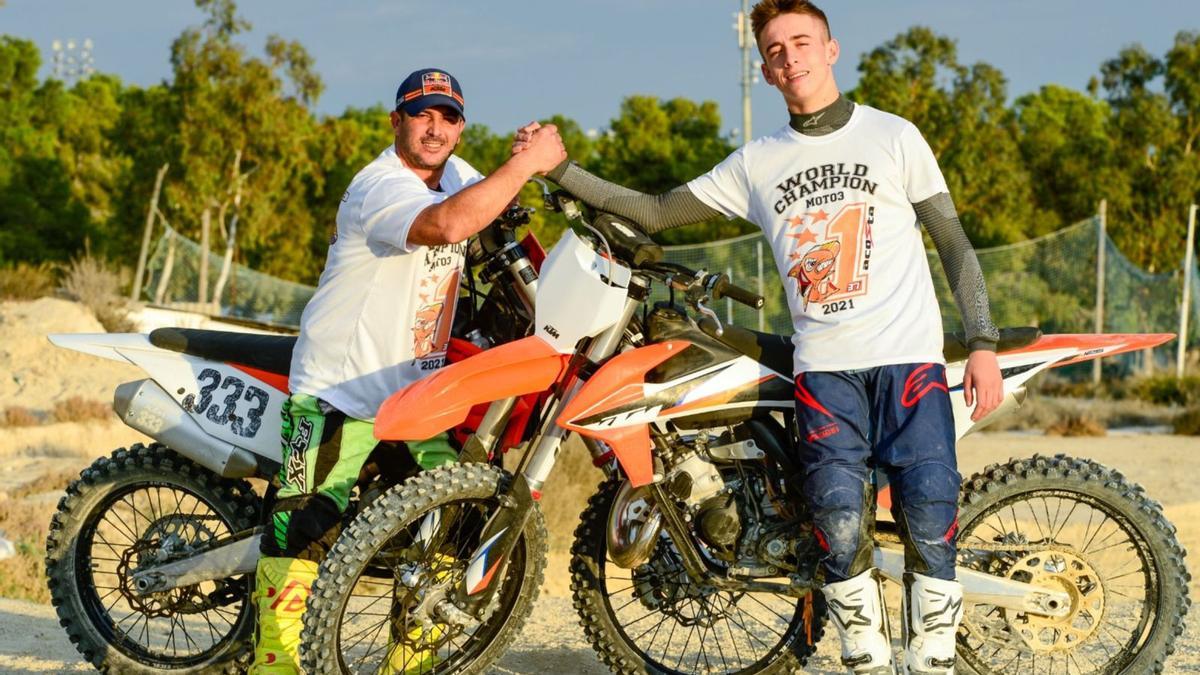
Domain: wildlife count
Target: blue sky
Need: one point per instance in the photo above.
(521, 60)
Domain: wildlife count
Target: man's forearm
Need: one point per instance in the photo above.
(470, 210)
(653, 213)
(940, 219)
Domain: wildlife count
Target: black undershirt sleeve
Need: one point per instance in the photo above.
(653, 213)
(940, 219)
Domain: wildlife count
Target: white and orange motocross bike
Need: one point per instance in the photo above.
(153, 549)
(693, 555)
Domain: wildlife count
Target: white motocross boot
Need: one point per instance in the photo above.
(856, 608)
(932, 610)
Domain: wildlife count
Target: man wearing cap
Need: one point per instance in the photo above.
(379, 321)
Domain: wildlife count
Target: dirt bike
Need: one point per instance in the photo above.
(694, 555)
(151, 554)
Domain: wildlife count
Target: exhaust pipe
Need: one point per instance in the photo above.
(145, 406)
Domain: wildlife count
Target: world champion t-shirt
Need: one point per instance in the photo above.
(381, 316)
(837, 211)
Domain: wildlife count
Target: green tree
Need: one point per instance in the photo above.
(1155, 133)
(655, 146)
(239, 129)
(41, 215)
(961, 110)
(1067, 146)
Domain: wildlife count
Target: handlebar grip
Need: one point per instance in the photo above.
(726, 289)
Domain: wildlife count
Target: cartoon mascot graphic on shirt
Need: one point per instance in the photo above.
(432, 323)
(814, 272)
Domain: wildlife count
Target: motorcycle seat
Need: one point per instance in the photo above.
(272, 353)
(775, 351)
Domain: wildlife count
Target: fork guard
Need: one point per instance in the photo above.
(443, 400)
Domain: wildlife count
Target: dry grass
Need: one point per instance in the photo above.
(26, 525)
(50, 482)
(1080, 424)
(24, 281)
(91, 282)
(17, 416)
(79, 409)
(1188, 422)
(1041, 412)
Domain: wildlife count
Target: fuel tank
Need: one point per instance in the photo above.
(717, 382)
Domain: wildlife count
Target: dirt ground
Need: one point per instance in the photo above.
(37, 462)
(31, 640)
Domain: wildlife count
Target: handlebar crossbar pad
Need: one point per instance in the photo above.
(627, 241)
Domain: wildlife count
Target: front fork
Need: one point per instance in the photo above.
(517, 498)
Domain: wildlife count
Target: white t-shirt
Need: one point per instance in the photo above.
(380, 318)
(837, 210)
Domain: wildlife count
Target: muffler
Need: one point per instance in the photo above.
(145, 406)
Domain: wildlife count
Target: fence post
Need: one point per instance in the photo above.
(136, 291)
(762, 319)
(728, 301)
(1185, 306)
(1100, 242)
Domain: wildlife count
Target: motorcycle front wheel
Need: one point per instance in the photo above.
(370, 607)
(1073, 526)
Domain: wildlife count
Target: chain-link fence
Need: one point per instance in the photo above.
(237, 291)
(1050, 282)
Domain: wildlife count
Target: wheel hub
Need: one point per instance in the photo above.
(1066, 572)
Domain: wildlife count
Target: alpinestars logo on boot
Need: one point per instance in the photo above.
(297, 447)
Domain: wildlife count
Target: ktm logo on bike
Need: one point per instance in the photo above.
(294, 594)
(918, 384)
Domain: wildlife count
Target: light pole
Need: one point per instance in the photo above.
(746, 43)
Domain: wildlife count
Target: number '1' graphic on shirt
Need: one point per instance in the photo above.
(832, 254)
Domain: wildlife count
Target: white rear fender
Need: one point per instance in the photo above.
(105, 345)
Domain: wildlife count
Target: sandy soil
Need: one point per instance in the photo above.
(36, 462)
(31, 641)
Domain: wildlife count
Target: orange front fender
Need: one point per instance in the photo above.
(443, 400)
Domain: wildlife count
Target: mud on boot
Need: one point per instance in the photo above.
(857, 610)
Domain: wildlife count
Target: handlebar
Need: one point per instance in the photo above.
(724, 288)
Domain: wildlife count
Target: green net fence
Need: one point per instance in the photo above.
(1049, 282)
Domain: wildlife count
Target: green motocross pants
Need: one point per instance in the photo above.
(324, 453)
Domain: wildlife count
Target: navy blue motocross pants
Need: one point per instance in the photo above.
(896, 418)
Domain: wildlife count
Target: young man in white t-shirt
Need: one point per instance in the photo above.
(840, 194)
(379, 320)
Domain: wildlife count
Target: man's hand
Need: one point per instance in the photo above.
(983, 386)
(523, 136)
(543, 148)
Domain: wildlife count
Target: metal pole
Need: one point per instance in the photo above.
(1101, 240)
(728, 302)
(150, 212)
(762, 311)
(1185, 306)
(745, 40)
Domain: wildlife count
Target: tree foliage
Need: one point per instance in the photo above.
(77, 163)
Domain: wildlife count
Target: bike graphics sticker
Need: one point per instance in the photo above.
(832, 256)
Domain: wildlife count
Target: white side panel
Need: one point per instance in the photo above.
(226, 402)
(572, 300)
(1024, 366)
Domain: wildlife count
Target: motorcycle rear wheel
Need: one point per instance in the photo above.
(145, 505)
(687, 631)
(1075, 526)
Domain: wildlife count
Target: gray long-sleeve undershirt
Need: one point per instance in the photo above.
(678, 207)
